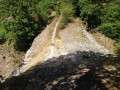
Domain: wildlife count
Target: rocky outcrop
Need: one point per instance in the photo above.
(102, 48)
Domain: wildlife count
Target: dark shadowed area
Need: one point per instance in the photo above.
(75, 71)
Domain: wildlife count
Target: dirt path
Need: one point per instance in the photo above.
(53, 37)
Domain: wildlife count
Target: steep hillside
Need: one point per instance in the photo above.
(53, 43)
(73, 48)
(59, 44)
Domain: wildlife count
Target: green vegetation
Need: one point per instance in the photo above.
(16, 62)
(90, 11)
(22, 27)
(22, 20)
(67, 11)
(51, 31)
(117, 45)
(111, 20)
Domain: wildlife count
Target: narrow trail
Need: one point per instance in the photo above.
(53, 37)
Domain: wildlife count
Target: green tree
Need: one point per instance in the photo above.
(90, 11)
(19, 33)
(111, 20)
(21, 29)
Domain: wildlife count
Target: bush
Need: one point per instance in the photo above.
(16, 62)
(90, 11)
(111, 29)
(111, 20)
(19, 31)
(2, 32)
(44, 7)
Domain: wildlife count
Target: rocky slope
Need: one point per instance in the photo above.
(69, 40)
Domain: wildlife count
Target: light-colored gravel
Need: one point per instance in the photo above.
(76, 38)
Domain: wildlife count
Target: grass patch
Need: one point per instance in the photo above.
(51, 31)
(16, 62)
(57, 35)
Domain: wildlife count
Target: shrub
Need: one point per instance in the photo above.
(19, 31)
(16, 61)
(111, 29)
(111, 20)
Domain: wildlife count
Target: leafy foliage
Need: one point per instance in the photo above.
(19, 33)
(110, 25)
(44, 9)
(111, 21)
(21, 29)
(90, 11)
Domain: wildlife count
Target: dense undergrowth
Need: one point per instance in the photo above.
(22, 20)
